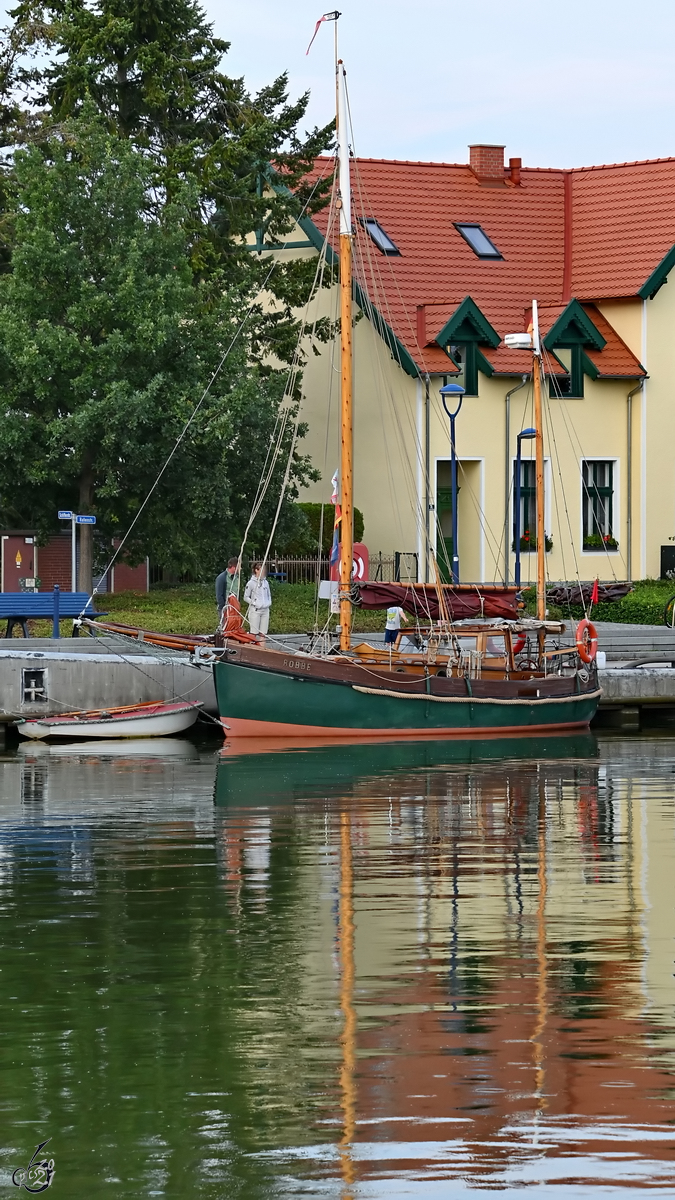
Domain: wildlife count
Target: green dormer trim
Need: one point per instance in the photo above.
(467, 324)
(658, 277)
(573, 331)
(588, 366)
(574, 328)
(469, 328)
(473, 362)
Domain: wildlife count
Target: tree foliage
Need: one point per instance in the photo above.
(142, 172)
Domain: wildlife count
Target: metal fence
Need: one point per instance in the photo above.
(400, 567)
(297, 570)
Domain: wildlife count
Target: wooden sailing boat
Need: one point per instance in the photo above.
(467, 680)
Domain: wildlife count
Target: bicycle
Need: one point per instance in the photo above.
(669, 613)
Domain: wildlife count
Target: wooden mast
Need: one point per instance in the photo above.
(346, 421)
(539, 466)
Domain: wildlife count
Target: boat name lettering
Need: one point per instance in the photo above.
(297, 664)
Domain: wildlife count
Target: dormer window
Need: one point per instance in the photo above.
(378, 236)
(478, 240)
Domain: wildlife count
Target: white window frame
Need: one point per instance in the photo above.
(463, 458)
(547, 498)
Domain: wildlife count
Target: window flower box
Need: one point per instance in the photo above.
(600, 541)
(528, 543)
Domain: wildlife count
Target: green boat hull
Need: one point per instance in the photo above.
(264, 703)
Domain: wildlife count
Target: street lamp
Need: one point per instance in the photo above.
(524, 435)
(453, 392)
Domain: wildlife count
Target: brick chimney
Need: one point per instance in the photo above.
(487, 163)
(515, 165)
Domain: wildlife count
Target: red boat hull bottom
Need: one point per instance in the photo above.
(239, 727)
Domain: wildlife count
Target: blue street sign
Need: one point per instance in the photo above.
(65, 514)
(86, 520)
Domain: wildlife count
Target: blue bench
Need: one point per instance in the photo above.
(18, 607)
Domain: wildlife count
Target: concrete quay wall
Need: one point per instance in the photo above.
(97, 673)
(76, 674)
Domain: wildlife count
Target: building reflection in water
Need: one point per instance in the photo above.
(503, 983)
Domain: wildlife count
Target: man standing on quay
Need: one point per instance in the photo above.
(227, 584)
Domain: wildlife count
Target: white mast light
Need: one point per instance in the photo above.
(518, 341)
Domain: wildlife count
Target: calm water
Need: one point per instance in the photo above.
(379, 971)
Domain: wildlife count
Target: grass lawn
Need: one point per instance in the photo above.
(191, 608)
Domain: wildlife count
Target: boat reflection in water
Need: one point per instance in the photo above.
(101, 748)
(499, 985)
(267, 770)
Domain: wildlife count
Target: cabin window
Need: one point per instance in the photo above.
(478, 240)
(378, 236)
(597, 481)
(466, 644)
(495, 646)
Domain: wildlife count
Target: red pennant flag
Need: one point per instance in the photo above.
(331, 16)
(595, 593)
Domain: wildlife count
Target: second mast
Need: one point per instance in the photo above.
(346, 419)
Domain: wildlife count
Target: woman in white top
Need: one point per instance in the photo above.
(259, 599)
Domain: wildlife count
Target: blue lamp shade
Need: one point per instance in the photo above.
(452, 389)
(527, 433)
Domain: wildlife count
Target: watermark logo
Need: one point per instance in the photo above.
(38, 1175)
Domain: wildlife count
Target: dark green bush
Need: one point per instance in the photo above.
(311, 514)
(643, 606)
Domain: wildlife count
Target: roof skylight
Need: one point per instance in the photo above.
(378, 236)
(478, 240)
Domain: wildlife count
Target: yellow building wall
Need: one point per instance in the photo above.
(626, 317)
(657, 430)
(389, 432)
(592, 427)
(389, 483)
(387, 448)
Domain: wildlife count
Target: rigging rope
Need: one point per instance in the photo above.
(315, 291)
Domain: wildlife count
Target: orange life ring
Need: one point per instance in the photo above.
(587, 640)
(520, 643)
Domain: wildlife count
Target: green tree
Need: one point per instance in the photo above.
(106, 343)
(153, 69)
(119, 305)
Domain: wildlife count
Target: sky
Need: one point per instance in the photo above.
(560, 85)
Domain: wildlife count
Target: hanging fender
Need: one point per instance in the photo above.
(587, 640)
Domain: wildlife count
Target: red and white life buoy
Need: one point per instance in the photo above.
(587, 640)
(519, 644)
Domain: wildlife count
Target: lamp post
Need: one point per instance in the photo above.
(524, 435)
(453, 392)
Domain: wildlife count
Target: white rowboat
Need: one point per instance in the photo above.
(143, 721)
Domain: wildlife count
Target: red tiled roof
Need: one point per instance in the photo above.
(615, 359)
(621, 224)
